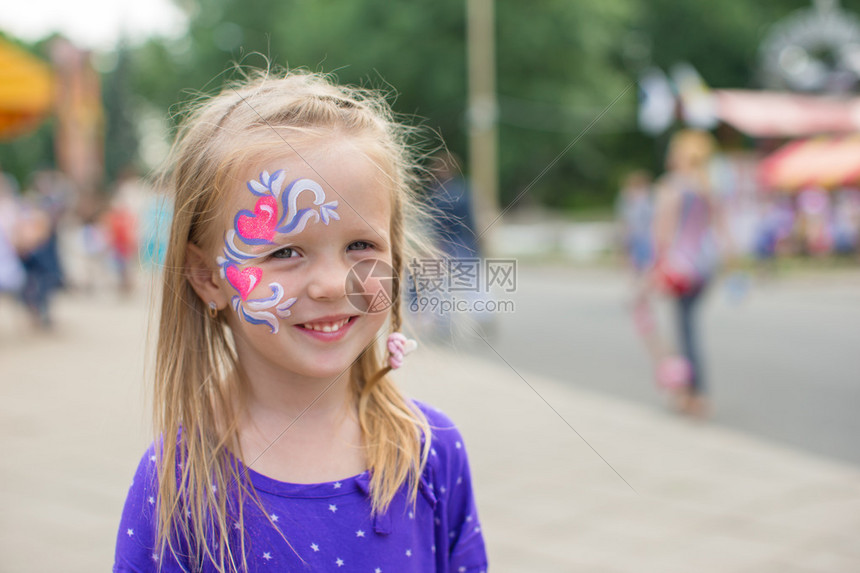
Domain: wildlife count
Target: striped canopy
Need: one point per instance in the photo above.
(828, 162)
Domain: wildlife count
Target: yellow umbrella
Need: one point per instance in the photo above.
(26, 90)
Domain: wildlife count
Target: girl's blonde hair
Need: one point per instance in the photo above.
(199, 386)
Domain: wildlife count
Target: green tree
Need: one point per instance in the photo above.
(560, 66)
(121, 139)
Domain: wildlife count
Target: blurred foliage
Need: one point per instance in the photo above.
(121, 142)
(29, 153)
(560, 64)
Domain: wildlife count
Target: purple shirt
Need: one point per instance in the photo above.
(329, 524)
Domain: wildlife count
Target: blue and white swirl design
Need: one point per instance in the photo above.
(258, 311)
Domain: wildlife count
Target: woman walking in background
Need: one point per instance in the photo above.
(688, 227)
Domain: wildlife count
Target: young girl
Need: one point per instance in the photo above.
(283, 443)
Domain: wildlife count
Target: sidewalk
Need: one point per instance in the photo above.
(706, 499)
(73, 425)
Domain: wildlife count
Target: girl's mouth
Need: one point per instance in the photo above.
(327, 329)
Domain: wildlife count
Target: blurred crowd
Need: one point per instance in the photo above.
(51, 240)
(814, 222)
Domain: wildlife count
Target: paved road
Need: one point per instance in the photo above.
(783, 364)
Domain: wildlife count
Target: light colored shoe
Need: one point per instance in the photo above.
(674, 373)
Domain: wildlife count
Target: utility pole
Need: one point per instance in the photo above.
(482, 116)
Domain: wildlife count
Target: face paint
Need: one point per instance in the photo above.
(234, 255)
(294, 220)
(243, 280)
(259, 227)
(256, 311)
(268, 184)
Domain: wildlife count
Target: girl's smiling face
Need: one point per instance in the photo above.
(291, 236)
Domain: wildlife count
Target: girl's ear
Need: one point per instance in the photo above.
(203, 278)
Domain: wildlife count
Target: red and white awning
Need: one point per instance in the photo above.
(776, 114)
(827, 162)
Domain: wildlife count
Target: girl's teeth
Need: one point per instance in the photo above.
(326, 327)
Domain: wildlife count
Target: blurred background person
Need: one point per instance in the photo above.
(635, 211)
(38, 230)
(33, 238)
(846, 222)
(12, 275)
(815, 221)
(689, 228)
(769, 232)
(455, 235)
(92, 245)
(120, 226)
(451, 200)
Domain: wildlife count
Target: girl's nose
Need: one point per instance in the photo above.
(327, 280)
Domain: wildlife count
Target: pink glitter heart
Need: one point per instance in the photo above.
(245, 280)
(260, 225)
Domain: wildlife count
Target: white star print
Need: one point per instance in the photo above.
(452, 534)
(411, 515)
(337, 485)
(442, 489)
(274, 517)
(236, 525)
(359, 533)
(267, 556)
(152, 458)
(433, 549)
(477, 530)
(458, 445)
(462, 569)
(339, 562)
(151, 500)
(459, 480)
(130, 532)
(377, 570)
(332, 507)
(409, 553)
(432, 451)
(469, 517)
(155, 556)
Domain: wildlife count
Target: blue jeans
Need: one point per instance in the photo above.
(686, 306)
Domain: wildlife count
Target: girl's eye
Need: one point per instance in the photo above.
(285, 253)
(359, 246)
